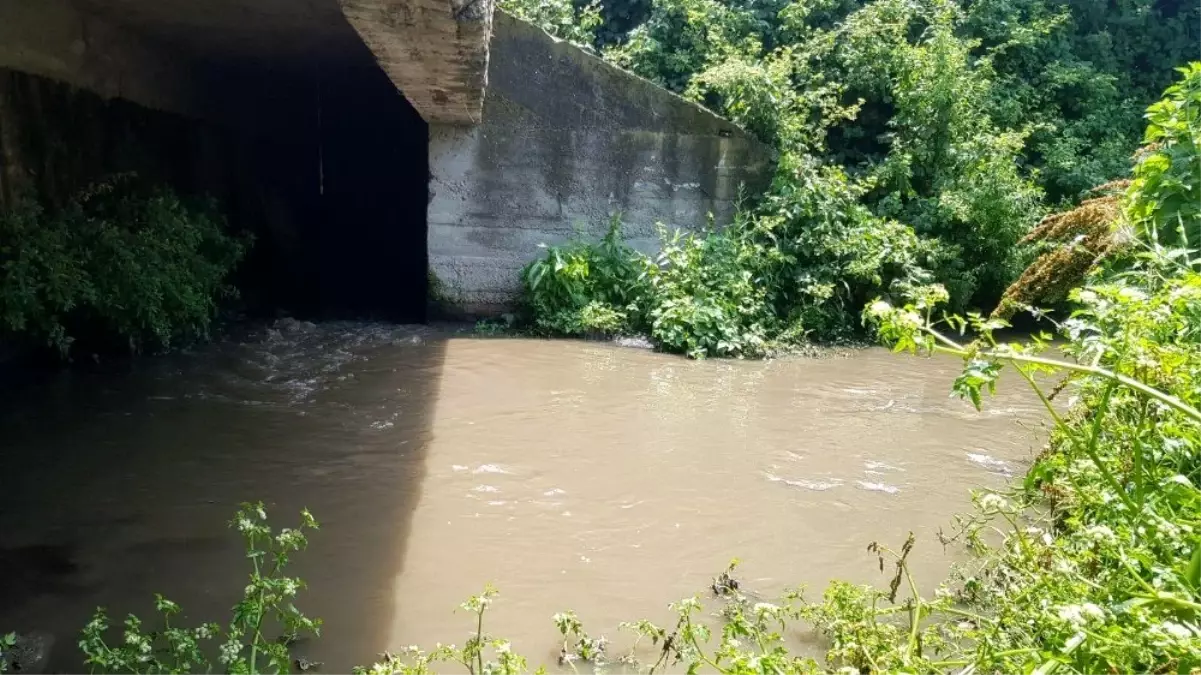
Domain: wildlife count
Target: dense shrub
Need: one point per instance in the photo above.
(119, 262)
(956, 124)
(706, 298)
(561, 18)
(801, 265)
(1165, 204)
(581, 288)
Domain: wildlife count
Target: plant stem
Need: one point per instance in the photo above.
(258, 622)
(952, 347)
(479, 639)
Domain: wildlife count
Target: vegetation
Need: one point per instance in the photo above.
(561, 18)
(1091, 564)
(919, 143)
(580, 287)
(121, 262)
(257, 638)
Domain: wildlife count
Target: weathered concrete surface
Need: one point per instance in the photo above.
(276, 31)
(566, 140)
(53, 39)
(172, 54)
(435, 51)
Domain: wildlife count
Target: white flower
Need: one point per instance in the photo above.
(1079, 615)
(766, 608)
(503, 648)
(1132, 294)
(1065, 566)
(993, 501)
(229, 651)
(879, 308)
(1100, 533)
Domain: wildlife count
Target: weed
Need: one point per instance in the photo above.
(243, 645)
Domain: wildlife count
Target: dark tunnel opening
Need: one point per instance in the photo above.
(339, 208)
(316, 153)
(374, 190)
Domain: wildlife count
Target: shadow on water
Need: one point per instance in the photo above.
(120, 485)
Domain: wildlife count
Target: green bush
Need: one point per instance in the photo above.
(705, 299)
(800, 265)
(582, 287)
(262, 626)
(561, 18)
(962, 121)
(1165, 204)
(138, 265)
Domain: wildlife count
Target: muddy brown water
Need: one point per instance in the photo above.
(605, 479)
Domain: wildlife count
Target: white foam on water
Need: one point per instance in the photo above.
(489, 468)
(878, 487)
(991, 463)
(816, 485)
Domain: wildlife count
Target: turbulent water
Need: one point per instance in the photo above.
(606, 479)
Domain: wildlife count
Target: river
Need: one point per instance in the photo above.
(606, 479)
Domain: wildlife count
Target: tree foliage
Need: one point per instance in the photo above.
(120, 263)
(919, 142)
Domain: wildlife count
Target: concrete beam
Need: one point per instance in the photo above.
(435, 51)
(53, 39)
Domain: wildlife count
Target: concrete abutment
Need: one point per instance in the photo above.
(369, 143)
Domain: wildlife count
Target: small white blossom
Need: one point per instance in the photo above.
(1100, 534)
(992, 501)
(880, 308)
(1065, 566)
(230, 651)
(766, 608)
(1079, 615)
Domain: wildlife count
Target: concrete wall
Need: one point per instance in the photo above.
(565, 141)
(52, 39)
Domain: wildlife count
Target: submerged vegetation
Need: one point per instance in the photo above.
(918, 143)
(120, 264)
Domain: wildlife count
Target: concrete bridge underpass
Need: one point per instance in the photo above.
(373, 145)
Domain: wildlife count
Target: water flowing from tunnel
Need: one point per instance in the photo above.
(606, 479)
